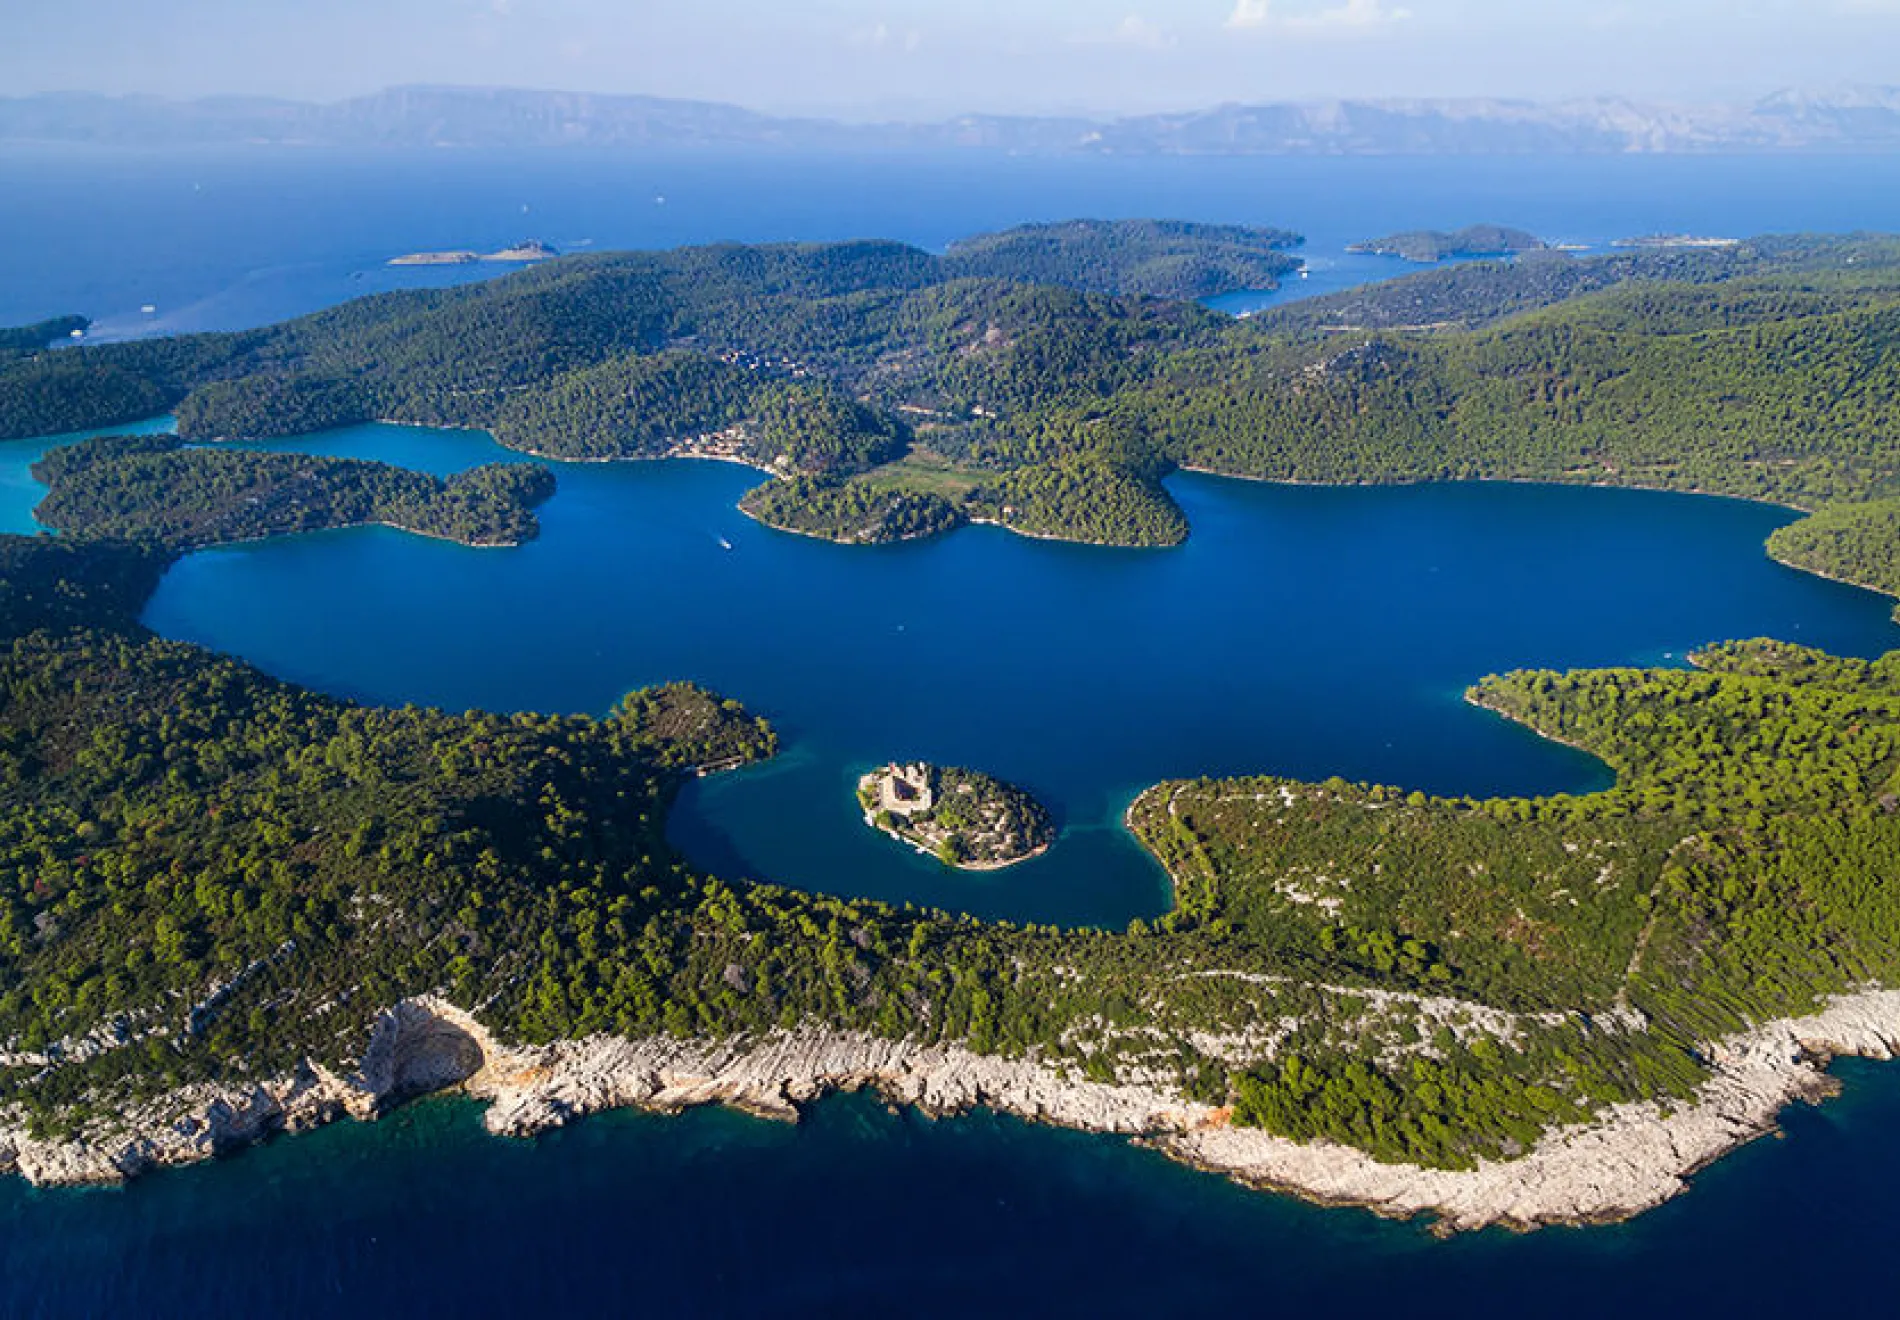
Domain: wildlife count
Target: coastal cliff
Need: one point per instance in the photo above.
(1635, 1157)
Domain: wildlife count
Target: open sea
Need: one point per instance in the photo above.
(1299, 631)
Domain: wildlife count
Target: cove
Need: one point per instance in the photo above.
(1300, 631)
(19, 492)
(435, 450)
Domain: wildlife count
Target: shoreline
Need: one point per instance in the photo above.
(833, 540)
(1068, 540)
(1554, 482)
(642, 458)
(1632, 1158)
(340, 527)
(1801, 509)
(917, 845)
(1191, 468)
(922, 851)
(1884, 592)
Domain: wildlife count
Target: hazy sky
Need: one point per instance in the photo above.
(927, 57)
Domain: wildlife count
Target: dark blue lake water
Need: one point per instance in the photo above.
(1299, 631)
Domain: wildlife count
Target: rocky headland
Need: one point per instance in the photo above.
(531, 250)
(1634, 1157)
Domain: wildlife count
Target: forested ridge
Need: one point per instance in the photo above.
(1160, 258)
(851, 513)
(27, 340)
(1061, 396)
(1742, 868)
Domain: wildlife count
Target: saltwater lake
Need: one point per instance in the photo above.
(1299, 631)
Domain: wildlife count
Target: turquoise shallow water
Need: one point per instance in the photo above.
(19, 492)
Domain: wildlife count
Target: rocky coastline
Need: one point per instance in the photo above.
(1631, 1159)
(966, 819)
(521, 253)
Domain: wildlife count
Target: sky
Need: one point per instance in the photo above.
(929, 58)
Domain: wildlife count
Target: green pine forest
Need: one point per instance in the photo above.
(206, 872)
(1058, 375)
(153, 488)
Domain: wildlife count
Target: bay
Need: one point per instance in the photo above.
(1298, 632)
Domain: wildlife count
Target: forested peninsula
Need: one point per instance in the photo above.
(153, 488)
(1049, 378)
(229, 905)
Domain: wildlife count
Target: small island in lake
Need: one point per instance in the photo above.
(964, 818)
(1428, 246)
(531, 250)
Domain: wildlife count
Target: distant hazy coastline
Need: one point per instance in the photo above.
(1863, 121)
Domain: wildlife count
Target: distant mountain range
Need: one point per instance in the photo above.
(1866, 120)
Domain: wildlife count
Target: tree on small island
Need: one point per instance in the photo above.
(963, 818)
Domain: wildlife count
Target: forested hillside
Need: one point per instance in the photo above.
(1851, 542)
(26, 340)
(153, 489)
(209, 873)
(1160, 258)
(1768, 370)
(1433, 245)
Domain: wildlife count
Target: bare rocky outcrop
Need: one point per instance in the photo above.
(190, 1124)
(1628, 1160)
(418, 1045)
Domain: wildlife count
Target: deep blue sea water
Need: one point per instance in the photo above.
(222, 239)
(1299, 631)
(859, 1212)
